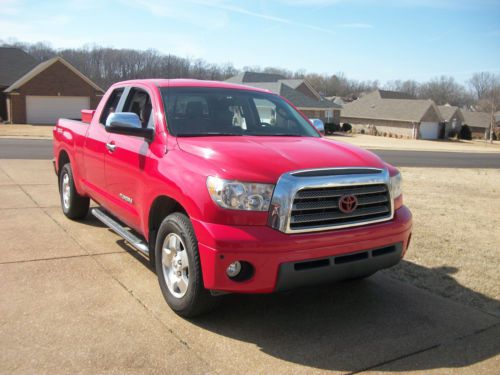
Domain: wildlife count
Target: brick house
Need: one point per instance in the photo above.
(394, 114)
(452, 118)
(47, 91)
(297, 91)
(478, 122)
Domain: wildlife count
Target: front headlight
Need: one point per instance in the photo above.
(237, 195)
(395, 183)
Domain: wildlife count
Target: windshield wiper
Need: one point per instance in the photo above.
(210, 134)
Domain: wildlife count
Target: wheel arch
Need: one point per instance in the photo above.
(62, 159)
(161, 207)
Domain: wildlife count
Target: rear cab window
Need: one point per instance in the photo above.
(111, 105)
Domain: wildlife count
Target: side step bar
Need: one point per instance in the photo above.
(121, 230)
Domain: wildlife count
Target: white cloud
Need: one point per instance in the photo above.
(181, 11)
(265, 16)
(10, 7)
(358, 25)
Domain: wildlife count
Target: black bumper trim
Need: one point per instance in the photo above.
(337, 268)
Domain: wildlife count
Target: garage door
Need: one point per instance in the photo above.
(47, 109)
(429, 130)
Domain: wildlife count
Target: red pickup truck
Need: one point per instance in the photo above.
(228, 188)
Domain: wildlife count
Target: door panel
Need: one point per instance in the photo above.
(95, 149)
(93, 171)
(125, 165)
(124, 176)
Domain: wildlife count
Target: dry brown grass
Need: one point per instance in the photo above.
(26, 131)
(455, 250)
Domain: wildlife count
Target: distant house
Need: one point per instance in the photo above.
(297, 91)
(478, 122)
(14, 63)
(41, 93)
(452, 118)
(394, 113)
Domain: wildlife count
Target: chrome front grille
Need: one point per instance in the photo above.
(308, 201)
(320, 207)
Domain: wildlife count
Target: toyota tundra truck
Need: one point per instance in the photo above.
(228, 189)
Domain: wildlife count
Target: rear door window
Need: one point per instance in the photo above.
(111, 105)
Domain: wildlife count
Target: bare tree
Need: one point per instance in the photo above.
(490, 100)
(444, 90)
(409, 87)
(481, 83)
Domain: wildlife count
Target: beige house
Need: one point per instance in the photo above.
(298, 91)
(452, 118)
(478, 122)
(395, 114)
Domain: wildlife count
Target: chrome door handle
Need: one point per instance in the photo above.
(110, 146)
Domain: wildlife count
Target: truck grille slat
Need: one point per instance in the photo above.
(319, 207)
(338, 192)
(334, 203)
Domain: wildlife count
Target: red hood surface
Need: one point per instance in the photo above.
(265, 159)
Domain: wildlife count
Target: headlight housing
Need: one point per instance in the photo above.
(395, 183)
(236, 195)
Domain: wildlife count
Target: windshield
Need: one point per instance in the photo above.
(201, 111)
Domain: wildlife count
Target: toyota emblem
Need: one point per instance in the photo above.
(348, 203)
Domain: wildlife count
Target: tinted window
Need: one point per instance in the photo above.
(111, 104)
(194, 111)
(139, 102)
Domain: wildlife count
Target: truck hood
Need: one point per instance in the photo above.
(265, 159)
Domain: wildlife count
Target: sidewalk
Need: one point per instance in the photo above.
(384, 143)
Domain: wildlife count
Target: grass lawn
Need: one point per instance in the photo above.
(455, 250)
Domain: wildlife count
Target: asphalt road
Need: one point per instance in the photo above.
(41, 149)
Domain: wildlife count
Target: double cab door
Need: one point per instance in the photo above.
(126, 158)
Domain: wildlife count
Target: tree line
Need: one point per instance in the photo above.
(105, 66)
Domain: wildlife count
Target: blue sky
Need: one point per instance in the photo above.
(364, 39)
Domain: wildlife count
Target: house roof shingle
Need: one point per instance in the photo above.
(14, 63)
(375, 106)
(44, 65)
(386, 94)
(285, 87)
(448, 111)
(298, 99)
(259, 77)
(477, 119)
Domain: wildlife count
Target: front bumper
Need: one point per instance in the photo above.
(274, 254)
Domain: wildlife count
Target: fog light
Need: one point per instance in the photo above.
(233, 269)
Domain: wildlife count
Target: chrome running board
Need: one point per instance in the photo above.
(121, 230)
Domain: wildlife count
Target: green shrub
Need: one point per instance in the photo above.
(331, 127)
(465, 133)
(346, 128)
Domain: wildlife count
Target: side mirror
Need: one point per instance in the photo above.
(127, 123)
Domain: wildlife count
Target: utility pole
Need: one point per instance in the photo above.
(492, 118)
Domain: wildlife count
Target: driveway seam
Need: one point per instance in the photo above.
(100, 265)
(129, 291)
(432, 347)
(57, 258)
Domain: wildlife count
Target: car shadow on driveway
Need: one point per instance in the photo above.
(353, 326)
(380, 323)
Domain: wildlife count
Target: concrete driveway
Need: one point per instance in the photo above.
(76, 299)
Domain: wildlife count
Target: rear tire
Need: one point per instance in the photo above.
(178, 268)
(74, 205)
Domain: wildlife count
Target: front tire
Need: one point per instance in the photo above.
(74, 205)
(178, 268)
